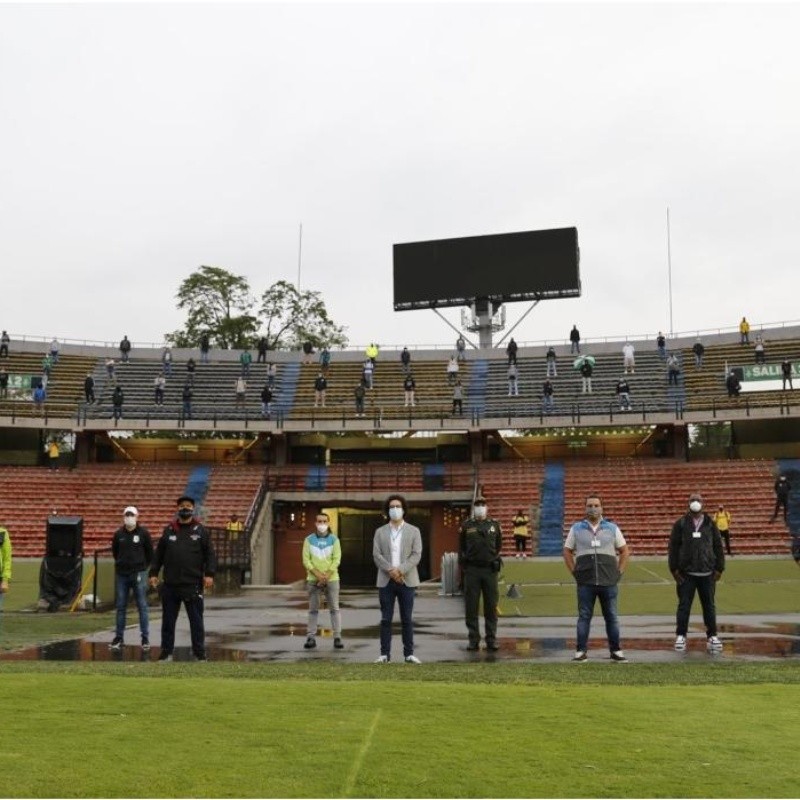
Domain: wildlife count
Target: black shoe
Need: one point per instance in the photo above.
(492, 646)
(116, 644)
(165, 656)
(145, 644)
(311, 643)
(201, 657)
(473, 646)
(338, 643)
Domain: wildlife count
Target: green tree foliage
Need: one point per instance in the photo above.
(221, 304)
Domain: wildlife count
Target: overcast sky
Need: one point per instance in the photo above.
(138, 142)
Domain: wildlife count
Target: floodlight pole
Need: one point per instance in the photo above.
(511, 329)
(669, 272)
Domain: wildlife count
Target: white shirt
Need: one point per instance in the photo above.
(395, 538)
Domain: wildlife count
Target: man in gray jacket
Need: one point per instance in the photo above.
(396, 551)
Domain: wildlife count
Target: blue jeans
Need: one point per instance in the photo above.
(405, 598)
(136, 581)
(608, 603)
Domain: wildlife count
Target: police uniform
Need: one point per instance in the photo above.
(480, 541)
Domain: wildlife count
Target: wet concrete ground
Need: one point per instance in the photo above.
(270, 625)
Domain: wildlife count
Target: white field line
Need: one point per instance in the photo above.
(362, 752)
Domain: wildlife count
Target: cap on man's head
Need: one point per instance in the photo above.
(480, 501)
(130, 511)
(184, 498)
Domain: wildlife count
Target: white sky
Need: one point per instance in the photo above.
(139, 141)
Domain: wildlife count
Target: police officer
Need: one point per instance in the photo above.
(187, 556)
(480, 540)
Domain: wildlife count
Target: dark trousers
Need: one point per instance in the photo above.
(171, 599)
(705, 587)
(405, 599)
(480, 582)
(781, 501)
(519, 543)
(726, 537)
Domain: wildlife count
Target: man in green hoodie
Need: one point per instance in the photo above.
(322, 554)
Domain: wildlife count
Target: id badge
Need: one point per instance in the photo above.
(696, 535)
(595, 543)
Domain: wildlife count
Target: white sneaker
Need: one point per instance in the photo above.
(412, 660)
(382, 660)
(680, 642)
(714, 644)
(619, 657)
(580, 655)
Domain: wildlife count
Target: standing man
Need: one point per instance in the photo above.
(53, 454)
(511, 351)
(596, 553)
(628, 358)
(782, 490)
(696, 561)
(744, 331)
(124, 349)
(396, 551)
(132, 549)
(479, 544)
(322, 554)
(698, 348)
(205, 346)
(722, 519)
(358, 393)
(5, 563)
(586, 376)
(547, 395)
(409, 387)
(575, 340)
(661, 346)
(513, 374)
(320, 387)
(88, 387)
(550, 357)
(117, 399)
(461, 346)
(786, 374)
(521, 533)
(187, 556)
(624, 394)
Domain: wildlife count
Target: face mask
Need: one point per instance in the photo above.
(395, 514)
(185, 513)
(695, 506)
(322, 529)
(130, 523)
(479, 512)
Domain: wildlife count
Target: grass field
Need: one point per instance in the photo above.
(324, 729)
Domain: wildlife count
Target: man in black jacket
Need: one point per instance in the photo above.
(696, 561)
(133, 551)
(187, 556)
(782, 490)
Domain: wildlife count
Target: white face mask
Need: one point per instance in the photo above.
(695, 506)
(479, 512)
(130, 522)
(395, 514)
(322, 529)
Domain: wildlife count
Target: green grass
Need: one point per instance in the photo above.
(322, 730)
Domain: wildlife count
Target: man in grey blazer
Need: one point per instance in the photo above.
(396, 550)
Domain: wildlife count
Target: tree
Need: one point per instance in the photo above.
(218, 303)
(290, 317)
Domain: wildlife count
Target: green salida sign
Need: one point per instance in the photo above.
(768, 372)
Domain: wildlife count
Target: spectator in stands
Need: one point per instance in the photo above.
(796, 547)
(628, 361)
(596, 554)
(320, 387)
(272, 373)
(699, 351)
(308, 352)
(124, 349)
(673, 369)
(575, 340)
(47, 365)
(186, 397)
(132, 549)
(458, 398)
(782, 489)
(166, 360)
(240, 389)
(358, 393)
(205, 346)
(367, 373)
(110, 368)
(191, 367)
(550, 358)
(322, 554)
(88, 388)
(396, 551)
(732, 384)
(786, 373)
(624, 394)
(760, 353)
(159, 384)
(547, 395)
(405, 360)
(744, 331)
(409, 386)
(3, 383)
(479, 543)
(234, 527)
(5, 563)
(5, 341)
(262, 347)
(661, 346)
(461, 347)
(117, 399)
(511, 351)
(586, 376)
(39, 396)
(452, 370)
(521, 533)
(266, 402)
(325, 360)
(55, 348)
(245, 360)
(187, 556)
(696, 561)
(53, 454)
(372, 353)
(722, 519)
(512, 374)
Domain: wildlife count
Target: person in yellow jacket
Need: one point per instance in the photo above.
(722, 519)
(744, 331)
(521, 533)
(5, 564)
(53, 454)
